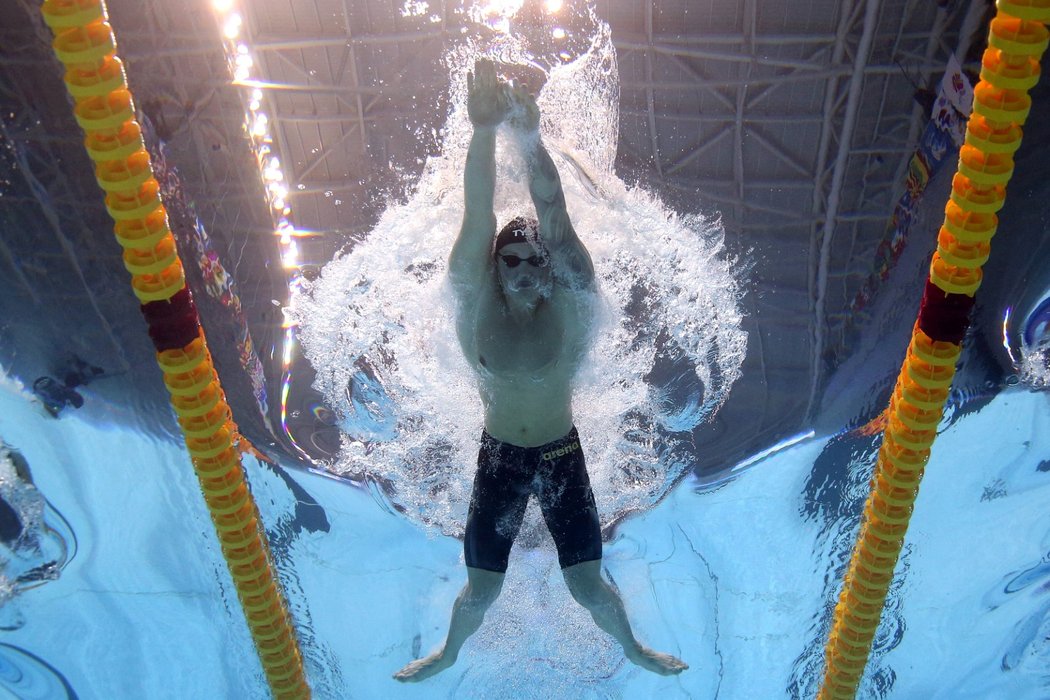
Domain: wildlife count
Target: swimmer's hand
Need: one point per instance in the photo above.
(524, 112)
(487, 96)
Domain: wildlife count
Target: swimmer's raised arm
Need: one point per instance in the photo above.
(487, 104)
(572, 262)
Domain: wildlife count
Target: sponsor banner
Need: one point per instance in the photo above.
(942, 137)
(217, 281)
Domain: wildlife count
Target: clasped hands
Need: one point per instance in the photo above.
(490, 100)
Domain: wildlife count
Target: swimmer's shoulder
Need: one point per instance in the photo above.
(574, 302)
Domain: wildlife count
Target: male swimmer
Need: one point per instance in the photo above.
(524, 308)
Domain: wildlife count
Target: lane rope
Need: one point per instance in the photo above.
(103, 106)
(1009, 69)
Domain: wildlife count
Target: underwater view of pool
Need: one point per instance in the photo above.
(728, 365)
(737, 578)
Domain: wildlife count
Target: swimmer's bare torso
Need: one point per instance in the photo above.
(525, 366)
(522, 327)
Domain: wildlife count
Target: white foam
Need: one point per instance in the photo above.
(668, 343)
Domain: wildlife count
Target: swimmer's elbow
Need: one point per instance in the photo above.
(544, 190)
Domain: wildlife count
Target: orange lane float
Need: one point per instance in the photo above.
(104, 109)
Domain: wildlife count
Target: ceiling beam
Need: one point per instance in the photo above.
(328, 150)
(750, 14)
(778, 79)
(700, 76)
(351, 57)
(845, 139)
(709, 55)
(649, 91)
(697, 150)
(708, 117)
(782, 154)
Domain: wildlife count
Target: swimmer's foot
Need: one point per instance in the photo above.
(421, 669)
(657, 662)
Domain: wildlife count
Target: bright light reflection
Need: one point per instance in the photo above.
(287, 355)
(232, 28)
(770, 451)
(257, 124)
(558, 33)
(496, 13)
(552, 6)
(1006, 335)
(501, 8)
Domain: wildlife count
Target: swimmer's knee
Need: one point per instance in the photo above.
(585, 583)
(483, 587)
(586, 593)
(481, 598)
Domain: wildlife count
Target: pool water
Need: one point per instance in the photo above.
(737, 578)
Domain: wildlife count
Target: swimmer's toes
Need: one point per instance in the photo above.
(411, 672)
(671, 666)
(421, 669)
(657, 662)
(678, 666)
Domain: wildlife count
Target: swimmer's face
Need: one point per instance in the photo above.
(523, 270)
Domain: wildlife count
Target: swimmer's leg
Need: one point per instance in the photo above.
(590, 590)
(468, 611)
(497, 507)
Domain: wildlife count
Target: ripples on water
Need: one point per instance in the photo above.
(28, 677)
(1035, 346)
(933, 600)
(36, 545)
(37, 541)
(377, 323)
(834, 497)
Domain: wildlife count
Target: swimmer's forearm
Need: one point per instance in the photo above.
(479, 175)
(548, 197)
(544, 181)
(555, 227)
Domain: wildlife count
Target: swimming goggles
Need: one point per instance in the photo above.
(534, 260)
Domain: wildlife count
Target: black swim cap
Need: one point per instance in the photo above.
(519, 230)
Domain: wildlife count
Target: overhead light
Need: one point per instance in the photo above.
(259, 125)
(232, 28)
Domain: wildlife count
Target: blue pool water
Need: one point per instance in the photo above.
(736, 577)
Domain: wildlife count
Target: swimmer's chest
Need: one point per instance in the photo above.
(507, 348)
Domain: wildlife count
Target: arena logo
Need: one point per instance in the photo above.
(561, 451)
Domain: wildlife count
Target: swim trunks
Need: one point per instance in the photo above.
(507, 475)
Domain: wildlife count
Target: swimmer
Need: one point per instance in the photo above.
(524, 310)
(55, 396)
(11, 525)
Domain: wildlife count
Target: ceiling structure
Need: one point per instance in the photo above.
(794, 122)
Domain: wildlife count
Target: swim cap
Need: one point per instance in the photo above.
(518, 230)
